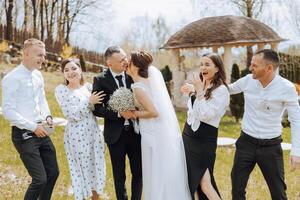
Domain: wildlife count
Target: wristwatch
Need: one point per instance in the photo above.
(49, 116)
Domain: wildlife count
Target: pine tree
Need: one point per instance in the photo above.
(167, 75)
(237, 100)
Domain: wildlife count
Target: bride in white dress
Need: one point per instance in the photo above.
(163, 158)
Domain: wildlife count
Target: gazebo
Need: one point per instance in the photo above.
(216, 32)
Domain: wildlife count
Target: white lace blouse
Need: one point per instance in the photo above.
(208, 111)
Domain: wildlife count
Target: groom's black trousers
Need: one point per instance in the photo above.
(39, 157)
(128, 144)
(267, 154)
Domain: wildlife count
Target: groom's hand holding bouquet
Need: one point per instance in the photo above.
(122, 102)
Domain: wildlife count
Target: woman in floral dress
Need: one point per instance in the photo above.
(83, 141)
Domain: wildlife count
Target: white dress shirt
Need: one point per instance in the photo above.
(208, 111)
(23, 98)
(264, 107)
(117, 82)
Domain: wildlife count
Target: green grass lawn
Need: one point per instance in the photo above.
(14, 178)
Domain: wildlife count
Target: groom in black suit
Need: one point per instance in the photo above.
(118, 129)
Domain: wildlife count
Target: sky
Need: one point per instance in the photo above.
(177, 14)
(121, 14)
(171, 9)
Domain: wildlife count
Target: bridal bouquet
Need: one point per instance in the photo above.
(121, 100)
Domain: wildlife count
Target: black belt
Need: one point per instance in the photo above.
(21, 134)
(262, 142)
(24, 133)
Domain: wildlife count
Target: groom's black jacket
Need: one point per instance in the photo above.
(113, 125)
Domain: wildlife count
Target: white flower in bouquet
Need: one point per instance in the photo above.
(121, 100)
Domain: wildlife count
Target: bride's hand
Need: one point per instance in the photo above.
(128, 114)
(134, 114)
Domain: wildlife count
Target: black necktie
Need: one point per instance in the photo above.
(193, 98)
(119, 78)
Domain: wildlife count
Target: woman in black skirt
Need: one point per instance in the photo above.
(208, 101)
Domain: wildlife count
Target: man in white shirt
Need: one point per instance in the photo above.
(266, 95)
(25, 106)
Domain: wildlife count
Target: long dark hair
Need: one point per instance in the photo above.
(220, 76)
(65, 62)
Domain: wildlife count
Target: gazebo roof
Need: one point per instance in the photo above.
(222, 30)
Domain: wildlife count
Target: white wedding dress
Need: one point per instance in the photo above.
(163, 157)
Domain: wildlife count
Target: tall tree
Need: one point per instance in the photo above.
(26, 16)
(73, 9)
(141, 32)
(34, 9)
(50, 17)
(161, 31)
(2, 9)
(9, 6)
(15, 14)
(251, 9)
(60, 21)
(67, 21)
(237, 100)
(42, 28)
(294, 14)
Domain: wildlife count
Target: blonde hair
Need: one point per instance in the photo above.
(33, 41)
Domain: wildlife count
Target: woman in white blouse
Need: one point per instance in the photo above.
(83, 140)
(208, 101)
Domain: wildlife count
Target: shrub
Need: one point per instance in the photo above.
(167, 75)
(237, 100)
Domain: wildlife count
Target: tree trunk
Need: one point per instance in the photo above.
(25, 22)
(47, 17)
(9, 5)
(50, 19)
(42, 19)
(15, 15)
(67, 21)
(60, 24)
(249, 8)
(249, 49)
(50, 33)
(249, 56)
(34, 18)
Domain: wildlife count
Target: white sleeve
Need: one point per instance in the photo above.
(239, 85)
(293, 109)
(138, 85)
(10, 86)
(88, 86)
(73, 111)
(42, 100)
(205, 110)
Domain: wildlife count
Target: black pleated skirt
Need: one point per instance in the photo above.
(200, 150)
